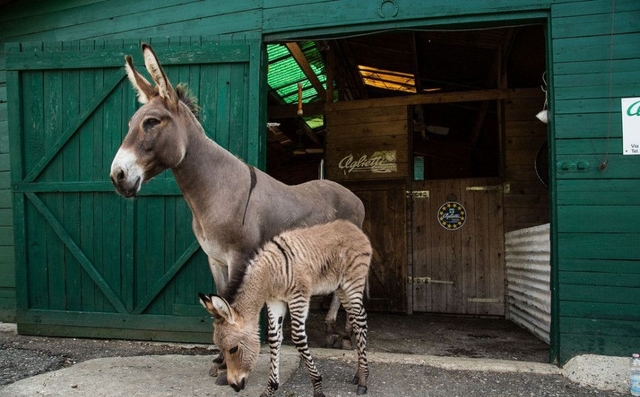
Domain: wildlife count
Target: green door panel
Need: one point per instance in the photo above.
(89, 262)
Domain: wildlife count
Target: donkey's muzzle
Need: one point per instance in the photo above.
(124, 186)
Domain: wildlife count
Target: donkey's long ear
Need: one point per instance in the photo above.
(143, 88)
(217, 306)
(165, 89)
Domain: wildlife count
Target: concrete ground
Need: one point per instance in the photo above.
(409, 356)
(391, 375)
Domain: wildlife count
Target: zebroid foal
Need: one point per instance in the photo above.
(287, 271)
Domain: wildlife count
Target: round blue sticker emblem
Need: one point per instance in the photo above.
(452, 215)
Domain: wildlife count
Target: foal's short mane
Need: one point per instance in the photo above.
(185, 96)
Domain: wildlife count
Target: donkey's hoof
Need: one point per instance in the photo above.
(221, 380)
(362, 390)
(331, 340)
(346, 344)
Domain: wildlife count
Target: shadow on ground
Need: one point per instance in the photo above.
(441, 335)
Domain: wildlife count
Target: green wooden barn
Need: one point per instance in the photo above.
(431, 111)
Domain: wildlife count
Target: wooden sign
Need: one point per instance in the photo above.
(367, 144)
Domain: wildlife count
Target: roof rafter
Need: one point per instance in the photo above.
(298, 55)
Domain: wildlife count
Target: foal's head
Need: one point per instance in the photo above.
(157, 137)
(235, 337)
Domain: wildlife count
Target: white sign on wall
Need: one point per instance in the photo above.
(630, 125)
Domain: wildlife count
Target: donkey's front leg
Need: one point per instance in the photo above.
(220, 275)
(276, 311)
(299, 308)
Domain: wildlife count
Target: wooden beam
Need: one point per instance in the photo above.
(297, 54)
(426, 99)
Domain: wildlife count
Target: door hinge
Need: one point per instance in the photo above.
(506, 188)
(418, 194)
(426, 280)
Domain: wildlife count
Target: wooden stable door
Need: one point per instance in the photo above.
(458, 246)
(386, 225)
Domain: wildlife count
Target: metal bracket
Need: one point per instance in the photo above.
(506, 188)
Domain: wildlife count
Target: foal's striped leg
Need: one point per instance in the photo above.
(352, 302)
(276, 311)
(299, 308)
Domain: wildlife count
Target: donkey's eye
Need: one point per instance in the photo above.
(149, 123)
(233, 350)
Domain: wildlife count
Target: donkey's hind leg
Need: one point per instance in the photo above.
(331, 330)
(332, 336)
(357, 317)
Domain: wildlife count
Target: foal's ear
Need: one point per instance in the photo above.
(165, 89)
(217, 306)
(143, 88)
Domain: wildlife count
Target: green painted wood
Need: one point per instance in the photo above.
(607, 246)
(312, 18)
(79, 255)
(601, 327)
(599, 219)
(574, 344)
(117, 321)
(615, 278)
(86, 249)
(596, 192)
(67, 133)
(605, 311)
(601, 265)
(159, 18)
(599, 294)
(59, 59)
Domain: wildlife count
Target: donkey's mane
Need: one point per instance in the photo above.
(185, 96)
(236, 280)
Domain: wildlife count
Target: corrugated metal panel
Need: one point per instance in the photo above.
(527, 256)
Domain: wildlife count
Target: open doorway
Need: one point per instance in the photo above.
(454, 112)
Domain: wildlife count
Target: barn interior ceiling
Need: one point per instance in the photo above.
(393, 64)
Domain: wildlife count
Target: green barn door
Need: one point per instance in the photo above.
(89, 262)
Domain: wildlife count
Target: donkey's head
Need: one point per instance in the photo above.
(157, 137)
(236, 338)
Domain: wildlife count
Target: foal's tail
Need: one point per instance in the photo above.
(366, 285)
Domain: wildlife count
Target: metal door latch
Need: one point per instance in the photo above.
(427, 280)
(506, 188)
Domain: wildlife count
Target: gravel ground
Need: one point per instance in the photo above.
(25, 356)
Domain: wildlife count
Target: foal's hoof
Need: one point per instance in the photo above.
(213, 371)
(362, 390)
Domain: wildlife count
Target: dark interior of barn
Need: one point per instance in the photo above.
(454, 139)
